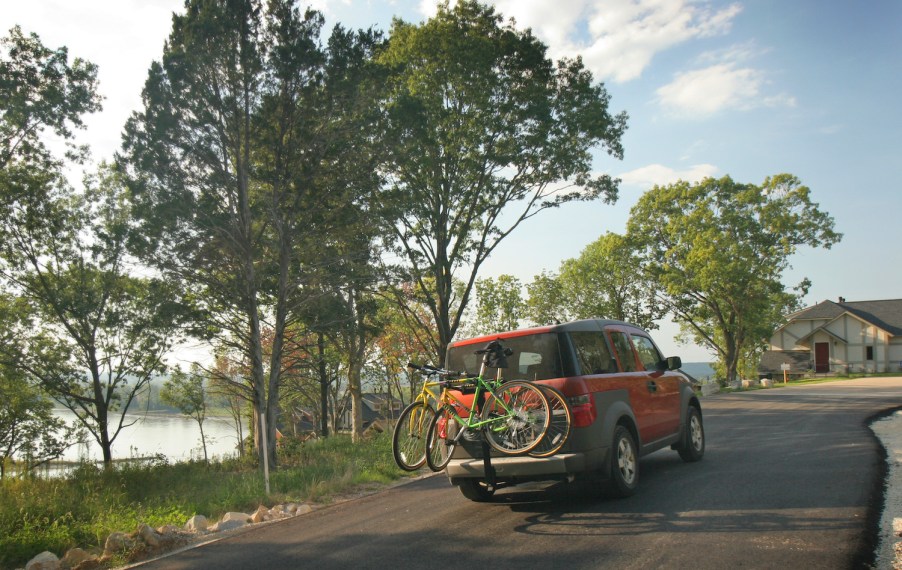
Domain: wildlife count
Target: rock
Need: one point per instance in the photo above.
(227, 525)
(746, 384)
(149, 536)
(233, 516)
(303, 509)
(197, 523)
(44, 561)
(767, 382)
(76, 557)
(118, 542)
(260, 514)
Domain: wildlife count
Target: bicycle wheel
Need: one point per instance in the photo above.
(519, 416)
(558, 426)
(408, 442)
(440, 441)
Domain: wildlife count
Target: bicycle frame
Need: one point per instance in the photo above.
(452, 403)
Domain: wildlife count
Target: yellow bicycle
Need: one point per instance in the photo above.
(409, 436)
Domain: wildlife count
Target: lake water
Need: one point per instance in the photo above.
(177, 437)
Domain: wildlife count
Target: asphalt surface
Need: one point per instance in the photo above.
(791, 478)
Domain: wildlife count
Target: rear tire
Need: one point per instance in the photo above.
(476, 490)
(521, 429)
(558, 431)
(692, 448)
(624, 464)
(408, 442)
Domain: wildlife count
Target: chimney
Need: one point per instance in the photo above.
(842, 299)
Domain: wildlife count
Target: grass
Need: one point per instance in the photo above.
(83, 508)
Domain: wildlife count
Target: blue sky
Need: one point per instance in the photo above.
(746, 89)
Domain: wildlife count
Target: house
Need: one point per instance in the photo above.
(831, 337)
(377, 410)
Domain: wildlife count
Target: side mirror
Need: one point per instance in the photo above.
(674, 362)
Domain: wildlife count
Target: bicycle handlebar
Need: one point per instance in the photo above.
(429, 369)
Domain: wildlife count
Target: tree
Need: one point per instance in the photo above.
(606, 281)
(482, 131)
(88, 333)
(717, 250)
(544, 304)
(187, 391)
(28, 428)
(240, 161)
(499, 305)
(92, 335)
(39, 90)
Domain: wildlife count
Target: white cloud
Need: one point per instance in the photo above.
(708, 90)
(660, 175)
(618, 38)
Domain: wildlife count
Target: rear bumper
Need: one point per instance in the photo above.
(526, 467)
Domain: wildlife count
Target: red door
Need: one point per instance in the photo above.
(822, 357)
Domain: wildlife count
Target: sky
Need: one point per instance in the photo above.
(748, 89)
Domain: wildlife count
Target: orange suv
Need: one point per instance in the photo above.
(626, 401)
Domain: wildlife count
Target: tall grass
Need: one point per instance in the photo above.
(83, 508)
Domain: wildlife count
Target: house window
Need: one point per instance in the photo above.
(869, 353)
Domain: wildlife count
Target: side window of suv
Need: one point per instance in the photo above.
(648, 354)
(592, 353)
(624, 351)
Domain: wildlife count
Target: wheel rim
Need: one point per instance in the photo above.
(695, 433)
(626, 460)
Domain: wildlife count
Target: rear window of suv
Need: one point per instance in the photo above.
(535, 357)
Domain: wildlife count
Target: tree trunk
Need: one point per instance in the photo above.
(323, 384)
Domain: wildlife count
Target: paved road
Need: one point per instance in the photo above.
(791, 479)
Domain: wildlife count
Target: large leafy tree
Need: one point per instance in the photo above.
(90, 333)
(499, 304)
(483, 131)
(718, 249)
(87, 331)
(240, 160)
(606, 281)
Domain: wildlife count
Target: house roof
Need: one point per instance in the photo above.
(886, 314)
(798, 360)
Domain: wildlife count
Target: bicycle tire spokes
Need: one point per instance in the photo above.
(518, 414)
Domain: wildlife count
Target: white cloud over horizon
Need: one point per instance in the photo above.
(660, 175)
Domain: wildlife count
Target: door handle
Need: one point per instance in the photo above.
(652, 386)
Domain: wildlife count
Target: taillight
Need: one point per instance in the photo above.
(582, 409)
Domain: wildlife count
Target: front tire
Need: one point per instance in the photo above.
(409, 437)
(692, 448)
(624, 463)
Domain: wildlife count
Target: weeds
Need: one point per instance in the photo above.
(84, 507)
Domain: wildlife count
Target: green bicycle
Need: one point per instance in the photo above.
(513, 417)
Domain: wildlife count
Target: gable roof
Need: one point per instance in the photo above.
(886, 314)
